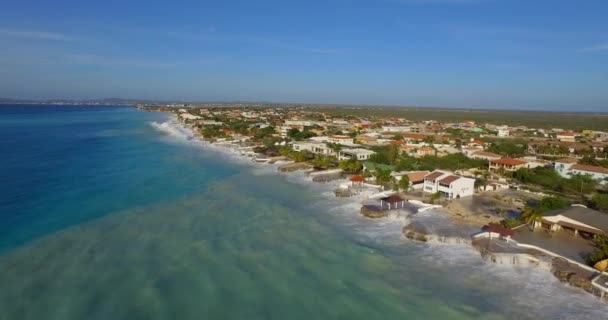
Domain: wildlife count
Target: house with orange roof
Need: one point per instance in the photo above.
(508, 164)
(424, 151)
(416, 177)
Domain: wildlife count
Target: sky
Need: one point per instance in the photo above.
(513, 54)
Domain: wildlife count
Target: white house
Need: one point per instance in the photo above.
(345, 140)
(448, 185)
(568, 167)
(357, 153)
(503, 131)
(396, 129)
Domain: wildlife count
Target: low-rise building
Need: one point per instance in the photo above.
(448, 185)
(396, 129)
(568, 167)
(507, 164)
(416, 177)
(578, 220)
(356, 153)
(345, 140)
(567, 136)
(503, 131)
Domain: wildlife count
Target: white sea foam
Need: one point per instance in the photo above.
(173, 129)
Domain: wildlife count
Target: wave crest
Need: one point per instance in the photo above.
(173, 130)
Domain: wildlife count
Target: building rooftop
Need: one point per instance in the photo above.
(585, 215)
(486, 154)
(449, 179)
(434, 175)
(588, 168)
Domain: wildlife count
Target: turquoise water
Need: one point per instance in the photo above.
(104, 214)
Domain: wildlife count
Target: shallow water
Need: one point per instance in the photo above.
(144, 224)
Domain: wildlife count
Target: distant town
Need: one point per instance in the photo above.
(542, 191)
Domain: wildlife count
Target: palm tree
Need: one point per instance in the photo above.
(335, 147)
(531, 216)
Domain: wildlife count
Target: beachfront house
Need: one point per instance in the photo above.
(448, 185)
(577, 220)
(416, 177)
(356, 153)
(568, 167)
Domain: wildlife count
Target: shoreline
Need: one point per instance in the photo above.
(459, 230)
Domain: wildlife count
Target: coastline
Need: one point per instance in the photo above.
(451, 224)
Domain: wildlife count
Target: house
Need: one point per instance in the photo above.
(577, 220)
(568, 167)
(396, 129)
(566, 136)
(507, 164)
(356, 153)
(345, 140)
(448, 185)
(366, 139)
(416, 177)
(476, 143)
(485, 155)
(502, 131)
(424, 151)
(314, 147)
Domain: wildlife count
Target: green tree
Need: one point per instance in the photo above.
(335, 147)
(383, 177)
(600, 201)
(531, 215)
(404, 183)
(351, 165)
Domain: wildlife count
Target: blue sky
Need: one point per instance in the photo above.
(524, 54)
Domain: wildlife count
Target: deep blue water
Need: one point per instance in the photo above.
(110, 213)
(63, 165)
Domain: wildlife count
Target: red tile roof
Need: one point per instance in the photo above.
(434, 175)
(449, 179)
(500, 230)
(417, 176)
(357, 179)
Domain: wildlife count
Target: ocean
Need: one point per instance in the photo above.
(115, 213)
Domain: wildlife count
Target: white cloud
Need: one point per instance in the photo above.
(40, 35)
(601, 47)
